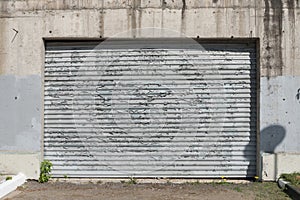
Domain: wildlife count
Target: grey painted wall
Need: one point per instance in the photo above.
(20, 116)
(280, 114)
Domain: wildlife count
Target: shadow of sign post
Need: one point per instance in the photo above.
(270, 138)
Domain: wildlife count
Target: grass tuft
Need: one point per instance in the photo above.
(293, 178)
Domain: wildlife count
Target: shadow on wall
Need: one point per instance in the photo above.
(271, 137)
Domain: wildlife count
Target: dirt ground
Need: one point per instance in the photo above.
(130, 191)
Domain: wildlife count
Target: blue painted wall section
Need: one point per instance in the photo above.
(20, 116)
(280, 114)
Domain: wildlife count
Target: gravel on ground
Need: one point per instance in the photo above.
(131, 190)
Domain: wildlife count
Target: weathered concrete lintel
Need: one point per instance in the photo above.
(33, 5)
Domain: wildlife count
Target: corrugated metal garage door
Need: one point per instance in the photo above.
(159, 108)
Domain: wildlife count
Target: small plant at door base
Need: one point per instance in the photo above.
(45, 169)
(132, 181)
(8, 178)
(223, 181)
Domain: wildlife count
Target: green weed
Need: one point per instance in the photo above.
(293, 178)
(132, 181)
(45, 170)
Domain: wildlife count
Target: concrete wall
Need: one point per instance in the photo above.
(24, 24)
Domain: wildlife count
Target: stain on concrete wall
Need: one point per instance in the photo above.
(2, 50)
(183, 17)
(20, 116)
(272, 39)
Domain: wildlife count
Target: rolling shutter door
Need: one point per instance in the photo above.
(159, 108)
